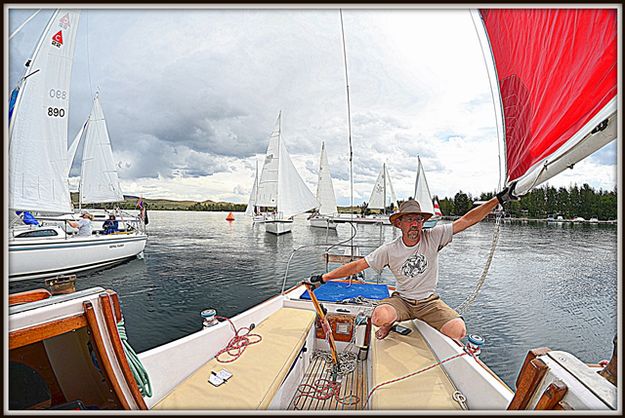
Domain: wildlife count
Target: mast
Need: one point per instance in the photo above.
(349, 133)
(256, 185)
(384, 178)
(279, 162)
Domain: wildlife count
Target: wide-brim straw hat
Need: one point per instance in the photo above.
(86, 215)
(409, 206)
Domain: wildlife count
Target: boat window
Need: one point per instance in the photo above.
(38, 233)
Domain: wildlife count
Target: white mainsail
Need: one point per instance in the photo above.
(422, 190)
(325, 189)
(294, 197)
(38, 127)
(251, 204)
(383, 193)
(99, 181)
(268, 182)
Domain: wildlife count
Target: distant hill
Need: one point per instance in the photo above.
(130, 202)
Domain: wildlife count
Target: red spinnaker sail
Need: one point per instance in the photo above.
(556, 70)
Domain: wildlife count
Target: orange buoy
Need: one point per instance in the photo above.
(230, 217)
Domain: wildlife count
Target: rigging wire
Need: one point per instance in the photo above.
(288, 263)
(20, 27)
(88, 54)
(349, 131)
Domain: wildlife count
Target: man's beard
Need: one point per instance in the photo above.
(413, 233)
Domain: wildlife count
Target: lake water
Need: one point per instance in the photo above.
(549, 285)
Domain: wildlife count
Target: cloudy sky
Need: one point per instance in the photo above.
(191, 97)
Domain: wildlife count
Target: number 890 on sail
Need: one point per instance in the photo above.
(56, 112)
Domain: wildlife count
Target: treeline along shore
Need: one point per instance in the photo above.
(540, 203)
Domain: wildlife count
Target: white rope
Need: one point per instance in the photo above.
(464, 306)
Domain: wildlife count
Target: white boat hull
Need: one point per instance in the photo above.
(37, 258)
(320, 222)
(278, 227)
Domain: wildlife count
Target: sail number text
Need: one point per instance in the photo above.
(56, 112)
(58, 94)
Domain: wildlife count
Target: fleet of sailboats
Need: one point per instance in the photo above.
(39, 166)
(297, 355)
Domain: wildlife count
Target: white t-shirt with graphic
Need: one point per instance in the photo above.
(415, 268)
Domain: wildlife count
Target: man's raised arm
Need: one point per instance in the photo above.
(477, 214)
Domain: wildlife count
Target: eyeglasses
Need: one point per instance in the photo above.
(410, 219)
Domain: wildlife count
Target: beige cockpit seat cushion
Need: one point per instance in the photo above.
(256, 375)
(399, 355)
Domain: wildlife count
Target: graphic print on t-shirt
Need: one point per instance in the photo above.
(414, 265)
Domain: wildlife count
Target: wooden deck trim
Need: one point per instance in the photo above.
(116, 305)
(552, 396)
(340, 258)
(96, 335)
(118, 349)
(530, 377)
(28, 296)
(531, 355)
(36, 333)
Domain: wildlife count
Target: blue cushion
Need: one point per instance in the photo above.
(338, 291)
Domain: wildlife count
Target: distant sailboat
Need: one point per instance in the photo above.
(423, 196)
(251, 209)
(383, 194)
(322, 218)
(99, 182)
(281, 187)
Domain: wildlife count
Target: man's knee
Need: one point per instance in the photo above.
(455, 329)
(383, 315)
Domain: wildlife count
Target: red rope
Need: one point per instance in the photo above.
(237, 344)
(323, 389)
(417, 372)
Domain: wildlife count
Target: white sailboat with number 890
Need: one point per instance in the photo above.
(38, 169)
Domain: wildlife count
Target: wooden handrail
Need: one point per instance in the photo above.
(529, 379)
(118, 349)
(28, 296)
(36, 333)
(106, 361)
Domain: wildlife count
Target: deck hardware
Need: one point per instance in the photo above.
(474, 344)
(361, 319)
(460, 398)
(209, 316)
(61, 284)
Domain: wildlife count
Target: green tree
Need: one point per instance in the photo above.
(462, 203)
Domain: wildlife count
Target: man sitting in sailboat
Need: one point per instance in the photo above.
(110, 225)
(413, 259)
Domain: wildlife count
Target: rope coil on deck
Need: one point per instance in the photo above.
(238, 343)
(138, 371)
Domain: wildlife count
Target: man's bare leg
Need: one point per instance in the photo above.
(383, 317)
(455, 329)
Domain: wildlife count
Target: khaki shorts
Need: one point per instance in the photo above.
(432, 309)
